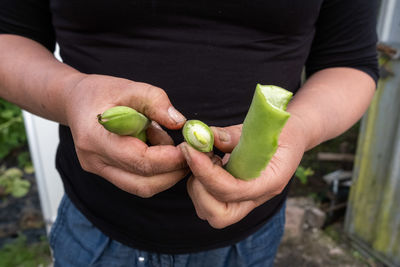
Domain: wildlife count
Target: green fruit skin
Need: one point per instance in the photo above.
(124, 120)
(259, 138)
(142, 136)
(186, 131)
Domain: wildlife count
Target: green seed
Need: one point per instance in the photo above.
(261, 128)
(200, 138)
(124, 120)
(198, 135)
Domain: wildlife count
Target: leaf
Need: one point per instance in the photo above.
(303, 174)
(12, 183)
(13, 173)
(20, 188)
(7, 114)
(29, 169)
(24, 160)
(12, 129)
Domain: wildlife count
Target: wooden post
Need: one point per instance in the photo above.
(373, 214)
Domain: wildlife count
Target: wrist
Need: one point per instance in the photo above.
(66, 82)
(305, 134)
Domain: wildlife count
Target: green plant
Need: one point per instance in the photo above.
(303, 174)
(11, 182)
(198, 135)
(334, 233)
(124, 120)
(12, 130)
(24, 162)
(261, 128)
(21, 254)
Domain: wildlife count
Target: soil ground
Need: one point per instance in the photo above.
(327, 248)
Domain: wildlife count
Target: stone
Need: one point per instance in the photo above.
(294, 222)
(314, 217)
(336, 251)
(8, 229)
(31, 218)
(300, 202)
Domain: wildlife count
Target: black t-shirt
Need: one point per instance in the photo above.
(208, 56)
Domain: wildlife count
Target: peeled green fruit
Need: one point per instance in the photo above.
(261, 129)
(124, 120)
(198, 135)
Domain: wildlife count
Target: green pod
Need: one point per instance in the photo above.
(261, 128)
(124, 120)
(198, 135)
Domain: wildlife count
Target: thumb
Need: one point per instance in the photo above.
(226, 138)
(154, 103)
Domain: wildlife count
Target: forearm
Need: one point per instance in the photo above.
(330, 102)
(33, 79)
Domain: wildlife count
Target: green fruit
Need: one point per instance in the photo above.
(198, 135)
(261, 128)
(124, 120)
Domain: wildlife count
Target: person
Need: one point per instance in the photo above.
(128, 203)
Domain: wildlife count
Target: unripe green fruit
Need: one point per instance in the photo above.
(261, 129)
(124, 120)
(198, 135)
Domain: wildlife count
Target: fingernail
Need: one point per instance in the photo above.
(223, 135)
(156, 125)
(176, 115)
(185, 152)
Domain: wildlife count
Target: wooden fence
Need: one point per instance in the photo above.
(373, 214)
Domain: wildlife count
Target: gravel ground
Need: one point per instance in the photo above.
(315, 248)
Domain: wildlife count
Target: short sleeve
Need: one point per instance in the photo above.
(28, 18)
(345, 37)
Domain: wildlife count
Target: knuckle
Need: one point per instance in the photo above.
(86, 166)
(91, 164)
(156, 93)
(143, 167)
(82, 142)
(145, 191)
(200, 213)
(219, 219)
(155, 96)
(217, 222)
(84, 159)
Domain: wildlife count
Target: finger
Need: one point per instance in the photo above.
(157, 136)
(194, 196)
(217, 181)
(141, 186)
(206, 206)
(216, 160)
(132, 155)
(155, 104)
(225, 159)
(218, 214)
(224, 187)
(226, 138)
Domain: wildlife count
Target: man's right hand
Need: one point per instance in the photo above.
(125, 161)
(33, 79)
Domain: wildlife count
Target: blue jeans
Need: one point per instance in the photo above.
(76, 242)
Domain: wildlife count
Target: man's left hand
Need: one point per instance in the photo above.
(220, 198)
